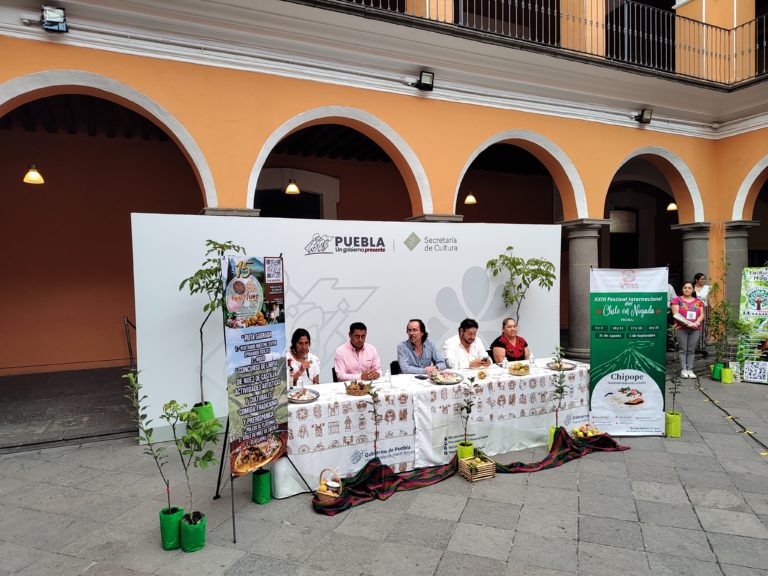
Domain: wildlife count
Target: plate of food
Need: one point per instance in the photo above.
(626, 397)
(249, 457)
(562, 366)
(445, 377)
(302, 395)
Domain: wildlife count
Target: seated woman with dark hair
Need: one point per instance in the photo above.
(303, 366)
(509, 344)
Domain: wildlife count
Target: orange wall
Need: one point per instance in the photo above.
(221, 111)
(74, 270)
(213, 102)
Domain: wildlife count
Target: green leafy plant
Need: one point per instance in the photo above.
(191, 445)
(561, 388)
(207, 280)
(157, 453)
(522, 275)
(466, 409)
(374, 403)
(674, 389)
(723, 321)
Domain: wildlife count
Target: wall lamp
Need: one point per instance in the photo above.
(426, 81)
(645, 116)
(52, 19)
(671, 207)
(470, 199)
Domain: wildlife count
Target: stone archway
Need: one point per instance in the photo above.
(41, 84)
(385, 136)
(562, 169)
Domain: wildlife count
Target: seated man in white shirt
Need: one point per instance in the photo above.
(466, 349)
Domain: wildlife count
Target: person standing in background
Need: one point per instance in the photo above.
(701, 291)
(688, 313)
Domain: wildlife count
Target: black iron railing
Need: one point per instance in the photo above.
(615, 30)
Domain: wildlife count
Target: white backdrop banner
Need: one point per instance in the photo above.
(336, 273)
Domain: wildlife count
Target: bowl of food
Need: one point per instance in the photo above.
(357, 388)
(446, 377)
(519, 369)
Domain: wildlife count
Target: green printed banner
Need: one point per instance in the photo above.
(628, 350)
(254, 335)
(753, 311)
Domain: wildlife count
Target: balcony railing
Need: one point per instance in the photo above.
(615, 30)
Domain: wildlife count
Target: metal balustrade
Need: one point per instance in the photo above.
(623, 31)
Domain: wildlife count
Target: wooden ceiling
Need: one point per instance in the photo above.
(81, 115)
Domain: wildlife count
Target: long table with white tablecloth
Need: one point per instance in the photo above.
(420, 423)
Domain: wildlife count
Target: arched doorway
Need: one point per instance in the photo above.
(522, 177)
(72, 281)
(341, 174)
(641, 208)
(314, 132)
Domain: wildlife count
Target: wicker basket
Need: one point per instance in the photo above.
(329, 496)
(474, 472)
(357, 388)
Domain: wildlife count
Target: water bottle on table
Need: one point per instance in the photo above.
(388, 378)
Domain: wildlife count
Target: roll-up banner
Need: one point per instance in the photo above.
(628, 350)
(254, 331)
(753, 311)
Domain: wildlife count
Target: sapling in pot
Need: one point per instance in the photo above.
(466, 448)
(207, 280)
(170, 515)
(561, 388)
(374, 404)
(191, 445)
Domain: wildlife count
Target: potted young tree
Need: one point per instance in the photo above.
(724, 326)
(207, 280)
(465, 448)
(672, 417)
(558, 392)
(522, 275)
(170, 516)
(191, 447)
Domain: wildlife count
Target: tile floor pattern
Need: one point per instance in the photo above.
(694, 505)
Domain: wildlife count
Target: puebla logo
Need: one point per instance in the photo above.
(326, 244)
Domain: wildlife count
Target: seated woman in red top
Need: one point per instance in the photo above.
(509, 344)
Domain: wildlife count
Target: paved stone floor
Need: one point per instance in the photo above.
(62, 406)
(694, 505)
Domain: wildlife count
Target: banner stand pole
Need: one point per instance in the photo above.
(232, 492)
(299, 473)
(224, 449)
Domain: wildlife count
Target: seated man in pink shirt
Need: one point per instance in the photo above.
(356, 360)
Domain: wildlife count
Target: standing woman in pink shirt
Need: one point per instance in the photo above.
(688, 313)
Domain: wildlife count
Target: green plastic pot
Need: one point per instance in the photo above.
(192, 535)
(672, 424)
(726, 376)
(551, 438)
(465, 450)
(170, 531)
(204, 411)
(261, 486)
(717, 370)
